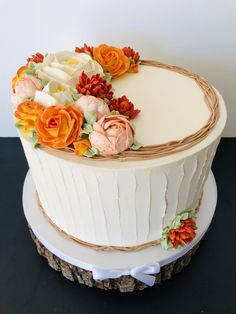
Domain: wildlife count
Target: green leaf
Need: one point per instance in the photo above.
(32, 68)
(115, 113)
(131, 60)
(90, 117)
(76, 96)
(18, 125)
(107, 76)
(34, 137)
(87, 129)
(44, 82)
(176, 222)
(106, 100)
(136, 145)
(90, 152)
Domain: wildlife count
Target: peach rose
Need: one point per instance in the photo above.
(18, 76)
(25, 88)
(81, 146)
(92, 104)
(59, 126)
(111, 59)
(27, 113)
(111, 135)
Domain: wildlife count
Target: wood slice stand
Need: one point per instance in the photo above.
(123, 284)
(77, 262)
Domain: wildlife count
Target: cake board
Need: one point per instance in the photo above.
(125, 271)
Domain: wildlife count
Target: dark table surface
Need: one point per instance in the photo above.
(29, 285)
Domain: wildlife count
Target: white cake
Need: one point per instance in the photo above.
(126, 202)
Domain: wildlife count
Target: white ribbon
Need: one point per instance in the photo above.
(143, 273)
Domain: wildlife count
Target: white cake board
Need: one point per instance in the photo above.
(86, 258)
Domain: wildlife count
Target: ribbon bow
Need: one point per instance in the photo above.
(142, 273)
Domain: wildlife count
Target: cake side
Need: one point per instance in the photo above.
(123, 207)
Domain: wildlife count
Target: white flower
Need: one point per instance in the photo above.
(65, 67)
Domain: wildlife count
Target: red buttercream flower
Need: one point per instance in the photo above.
(37, 58)
(124, 106)
(130, 53)
(95, 86)
(85, 49)
(184, 234)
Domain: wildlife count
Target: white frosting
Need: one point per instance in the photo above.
(171, 104)
(128, 203)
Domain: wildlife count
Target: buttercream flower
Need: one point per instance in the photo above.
(85, 49)
(18, 76)
(27, 113)
(92, 104)
(111, 59)
(184, 234)
(124, 106)
(111, 135)
(94, 86)
(65, 67)
(59, 126)
(25, 88)
(81, 146)
(134, 59)
(37, 58)
(54, 93)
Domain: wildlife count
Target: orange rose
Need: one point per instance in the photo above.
(111, 59)
(59, 126)
(81, 146)
(27, 113)
(18, 76)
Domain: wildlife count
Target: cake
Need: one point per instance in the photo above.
(119, 148)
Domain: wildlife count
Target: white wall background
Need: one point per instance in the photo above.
(199, 35)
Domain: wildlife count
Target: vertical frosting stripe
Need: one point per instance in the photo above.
(142, 204)
(127, 187)
(189, 168)
(158, 184)
(100, 224)
(109, 199)
(194, 182)
(175, 177)
(83, 209)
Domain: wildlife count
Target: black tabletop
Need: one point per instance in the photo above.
(29, 285)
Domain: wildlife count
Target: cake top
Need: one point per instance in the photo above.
(104, 103)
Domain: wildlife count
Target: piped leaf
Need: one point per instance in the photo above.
(91, 152)
(90, 117)
(136, 145)
(87, 129)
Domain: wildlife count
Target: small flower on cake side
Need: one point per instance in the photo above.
(59, 126)
(180, 231)
(111, 135)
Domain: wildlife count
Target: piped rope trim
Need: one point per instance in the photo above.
(97, 247)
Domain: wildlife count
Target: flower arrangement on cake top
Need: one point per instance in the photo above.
(66, 100)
